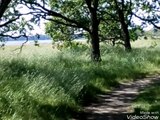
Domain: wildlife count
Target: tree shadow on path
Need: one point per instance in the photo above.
(116, 105)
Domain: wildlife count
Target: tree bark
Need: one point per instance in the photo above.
(95, 50)
(124, 26)
(126, 35)
(95, 53)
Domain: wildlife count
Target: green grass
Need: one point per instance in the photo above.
(148, 101)
(149, 43)
(46, 84)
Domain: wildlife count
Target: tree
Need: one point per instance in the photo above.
(59, 32)
(77, 14)
(5, 20)
(3, 6)
(148, 12)
(87, 15)
(117, 24)
(111, 19)
(12, 23)
(121, 7)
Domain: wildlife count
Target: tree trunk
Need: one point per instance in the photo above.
(124, 26)
(95, 53)
(3, 6)
(127, 43)
(126, 36)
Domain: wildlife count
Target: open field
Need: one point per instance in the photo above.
(146, 43)
(43, 83)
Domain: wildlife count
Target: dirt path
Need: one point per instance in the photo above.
(116, 104)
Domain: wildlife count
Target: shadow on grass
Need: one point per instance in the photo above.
(60, 112)
(88, 95)
(39, 111)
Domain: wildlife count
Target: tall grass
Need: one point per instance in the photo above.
(46, 84)
(148, 101)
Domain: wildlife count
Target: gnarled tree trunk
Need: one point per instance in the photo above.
(93, 30)
(95, 52)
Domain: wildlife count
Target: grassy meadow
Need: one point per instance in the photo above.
(42, 83)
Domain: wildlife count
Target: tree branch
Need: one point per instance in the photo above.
(62, 23)
(8, 22)
(58, 15)
(148, 20)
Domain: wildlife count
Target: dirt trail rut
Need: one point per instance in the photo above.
(116, 105)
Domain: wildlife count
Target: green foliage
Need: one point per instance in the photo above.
(62, 30)
(109, 22)
(75, 10)
(58, 32)
(74, 46)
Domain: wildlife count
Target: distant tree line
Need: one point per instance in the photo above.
(33, 37)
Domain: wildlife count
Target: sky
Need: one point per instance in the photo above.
(37, 29)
